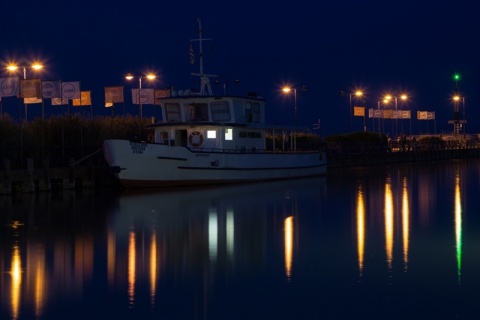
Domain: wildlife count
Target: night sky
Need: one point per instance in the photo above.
(329, 46)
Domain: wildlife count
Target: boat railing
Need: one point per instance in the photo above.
(247, 150)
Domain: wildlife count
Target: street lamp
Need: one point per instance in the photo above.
(13, 67)
(288, 90)
(357, 94)
(388, 98)
(457, 122)
(148, 76)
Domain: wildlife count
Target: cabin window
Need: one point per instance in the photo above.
(220, 111)
(229, 134)
(211, 134)
(248, 111)
(172, 112)
(250, 134)
(197, 112)
(256, 112)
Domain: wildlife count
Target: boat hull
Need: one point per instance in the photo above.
(140, 164)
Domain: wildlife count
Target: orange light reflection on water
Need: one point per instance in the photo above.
(288, 230)
(360, 228)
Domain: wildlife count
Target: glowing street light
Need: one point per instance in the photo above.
(357, 94)
(149, 76)
(288, 90)
(388, 98)
(457, 123)
(13, 67)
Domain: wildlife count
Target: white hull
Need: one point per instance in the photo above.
(139, 164)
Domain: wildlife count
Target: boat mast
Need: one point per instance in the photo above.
(204, 78)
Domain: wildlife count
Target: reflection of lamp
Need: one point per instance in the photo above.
(149, 76)
(288, 230)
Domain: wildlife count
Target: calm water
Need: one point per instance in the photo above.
(400, 242)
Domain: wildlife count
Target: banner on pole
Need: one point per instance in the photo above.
(359, 111)
(71, 90)
(9, 87)
(113, 94)
(51, 89)
(146, 96)
(30, 88)
(85, 99)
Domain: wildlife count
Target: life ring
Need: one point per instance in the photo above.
(196, 139)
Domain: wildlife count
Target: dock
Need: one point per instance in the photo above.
(46, 178)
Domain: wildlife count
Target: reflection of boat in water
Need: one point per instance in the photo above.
(151, 208)
(212, 139)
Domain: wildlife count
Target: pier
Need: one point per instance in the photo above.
(45, 179)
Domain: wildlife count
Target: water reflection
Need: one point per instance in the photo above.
(257, 251)
(288, 246)
(389, 211)
(405, 222)
(458, 226)
(360, 228)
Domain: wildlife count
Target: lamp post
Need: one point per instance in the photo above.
(457, 122)
(148, 76)
(288, 90)
(13, 67)
(35, 66)
(357, 94)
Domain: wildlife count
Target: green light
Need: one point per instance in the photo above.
(456, 77)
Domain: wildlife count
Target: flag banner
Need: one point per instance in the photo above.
(84, 100)
(192, 54)
(406, 114)
(32, 100)
(146, 96)
(387, 114)
(359, 111)
(426, 115)
(113, 94)
(108, 104)
(71, 90)
(396, 114)
(9, 87)
(159, 94)
(378, 113)
(51, 89)
(371, 113)
(59, 101)
(30, 88)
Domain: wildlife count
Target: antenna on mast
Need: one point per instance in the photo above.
(204, 78)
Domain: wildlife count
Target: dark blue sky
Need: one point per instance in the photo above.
(330, 46)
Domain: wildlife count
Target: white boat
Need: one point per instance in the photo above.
(207, 139)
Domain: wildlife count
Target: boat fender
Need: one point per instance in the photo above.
(196, 139)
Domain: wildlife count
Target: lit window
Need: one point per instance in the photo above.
(229, 134)
(211, 134)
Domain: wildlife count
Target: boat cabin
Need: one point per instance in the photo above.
(212, 122)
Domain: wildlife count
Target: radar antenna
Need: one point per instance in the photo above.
(204, 78)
